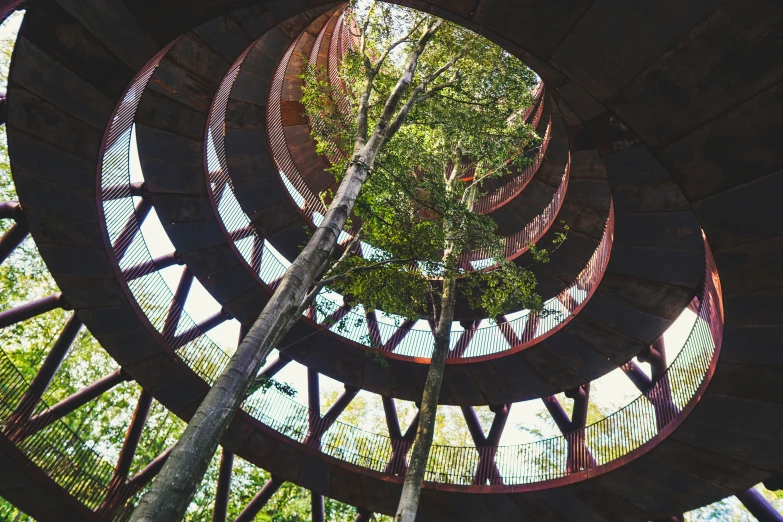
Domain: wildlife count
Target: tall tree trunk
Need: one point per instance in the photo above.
(411, 488)
(171, 492)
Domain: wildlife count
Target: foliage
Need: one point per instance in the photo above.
(416, 206)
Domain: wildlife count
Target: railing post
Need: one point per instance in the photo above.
(223, 486)
(43, 378)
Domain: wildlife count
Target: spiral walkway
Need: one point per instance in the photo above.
(663, 118)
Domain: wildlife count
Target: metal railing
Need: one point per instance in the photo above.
(607, 440)
(492, 339)
(495, 199)
(7, 7)
(602, 442)
(55, 449)
(519, 242)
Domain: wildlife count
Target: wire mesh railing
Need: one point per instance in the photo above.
(600, 443)
(519, 242)
(495, 199)
(56, 449)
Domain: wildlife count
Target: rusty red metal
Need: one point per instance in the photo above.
(223, 489)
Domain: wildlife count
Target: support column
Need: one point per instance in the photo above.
(363, 516)
(74, 402)
(155, 265)
(177, 304)
(197, 330)
(275, 366)
(10, 210)
(657, 388)
(256, 257)
(139, 481)
(223, 486)
(260, 500)
(43, 378)
(759, 506)
(397, 337)
(114, 497)
(143, 477)
(487, 446)
(31, 309)
(313, 398)
(461, 346)
(132, 227)
(317, 507)
(12, 239)
(508, 332)
(579, 455)
(318, 424)
(401, 444)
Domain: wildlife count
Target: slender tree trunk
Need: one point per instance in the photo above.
(176, 484)
(411, 488)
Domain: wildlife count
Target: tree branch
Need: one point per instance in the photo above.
(310, 297)
(417, 97)
(394, 45)
(379, 264)
(382, 132)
